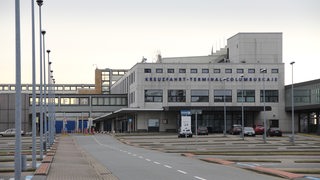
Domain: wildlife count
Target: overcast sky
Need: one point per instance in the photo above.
(84, 34)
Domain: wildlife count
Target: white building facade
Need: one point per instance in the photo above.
(229, 80)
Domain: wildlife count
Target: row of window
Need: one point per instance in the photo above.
(206, 70)
(84, 101)
(154, 95)
(56, 87)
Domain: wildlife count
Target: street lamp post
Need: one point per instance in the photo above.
(292, 107)
(45, 94)
(49, 98)
(34, 115)
(224, 108)
(264, 107)
(40, 2)
(242, 109)
(17, 155)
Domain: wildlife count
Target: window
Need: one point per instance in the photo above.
(205, 71)
(248, 96)
(220, 94)
(263, 70)
(251, 71)
(275, 71)
(84, 101)
(193, 70)
(153, 95)
(176, 95)
(182, 70)
(159, 70)
(147, 70)
(240, 71)
(228, 70)
(271, 95)
(216, 71)
(199, 96)
(170, 70)
(302, 95)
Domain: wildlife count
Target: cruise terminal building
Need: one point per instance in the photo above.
(246, 76)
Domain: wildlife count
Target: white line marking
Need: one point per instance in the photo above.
(141, 157)
(134, 155)
(167, 166)
(129, 152)
(148, 160)
(197, 177)
(183, 172)
(156, 162)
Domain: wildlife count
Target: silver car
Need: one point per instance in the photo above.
(10, 132)
(249, 131)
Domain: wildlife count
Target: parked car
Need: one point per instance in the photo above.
(248, 131)
(235, 129)
(273, 131)
(185, 133)
(10, 132)
(202, 130)
(259, 129)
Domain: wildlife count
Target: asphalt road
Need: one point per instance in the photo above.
(133, 163)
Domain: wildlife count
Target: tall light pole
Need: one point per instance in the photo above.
(264, 107)
(34, 115)
(51, 101)
(40, 2)
(45, 94)
(224, 108)
(17, 155)
(49, 98)
(242, 110)
(292, 107)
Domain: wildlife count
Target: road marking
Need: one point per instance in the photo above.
(183, 172)
(167, 166)
(129, 152)
(148, 160)
(156, 162)
(249, 165)
(312, 178)
(134, 155)
(141, 157)
(197, 177)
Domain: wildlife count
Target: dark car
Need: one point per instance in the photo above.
(202, 130)
(274, 132)
(235, 129)
(259, 129)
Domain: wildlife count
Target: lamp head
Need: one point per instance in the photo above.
(292, 62)
(43, 32)
(40, 2)
(48, 51)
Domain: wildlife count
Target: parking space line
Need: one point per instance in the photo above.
(200, 178)
(183, 172)
(156, 162)
(167, 166)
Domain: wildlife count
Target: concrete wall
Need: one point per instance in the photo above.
(255, 48)
(7, 112)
